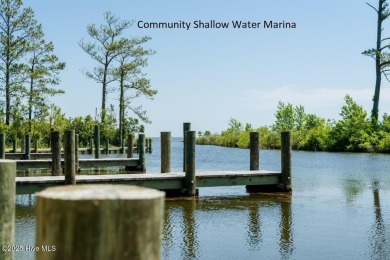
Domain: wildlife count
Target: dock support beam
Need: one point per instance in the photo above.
(69, 157)
(254, 151)
(2, 146)
(14, 145)
(190, 181)
(82, 222)
(141, 152)
(76, 151)
(186, 127)
(55, 143)
(130, 143)
(286, 161)
(7, 206)
(97, 141)
(165, 152)
(27, 149)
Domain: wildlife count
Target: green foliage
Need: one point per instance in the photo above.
(352, 133)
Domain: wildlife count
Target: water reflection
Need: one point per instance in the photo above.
(189, 221)
(380, 242)
(286, 230)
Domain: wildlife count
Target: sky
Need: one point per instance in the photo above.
(207, 76)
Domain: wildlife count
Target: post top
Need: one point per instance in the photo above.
(100, 192)
(7, 161)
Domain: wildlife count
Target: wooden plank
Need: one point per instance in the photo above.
(164, 181)
(83, 163)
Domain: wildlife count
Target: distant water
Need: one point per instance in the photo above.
(339, 209)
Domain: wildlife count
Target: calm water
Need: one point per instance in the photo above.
(339, 209)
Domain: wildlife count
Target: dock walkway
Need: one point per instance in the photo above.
(161, 181)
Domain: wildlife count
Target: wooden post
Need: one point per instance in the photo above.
(76, 152)
(141, 152)
(254, 151)
(69, 157)
(100, 222)
(36, 146)
(130, 143)
(150, 145)
(186, 127)
(55, 142)
(2, 146)
(165, 152)
(107, 146)
(14, 145)
(91, 146)
(7, 206)
(286, 160)
(97, 141)
(190, 181)
(123, 146)
(27, 151)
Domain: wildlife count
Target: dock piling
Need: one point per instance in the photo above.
(286, 160)
(130, 143)
(97, 141)
(7, 206)
(27, 149)
(2, 146)
(55, 142)
(69, 157)
(254, 151)
(107, 146)
(76, 151)
(141, 152)
(165, 152)
(190, 180)
(123, 146)
(116, 213)
(186, 127)
(14, 145)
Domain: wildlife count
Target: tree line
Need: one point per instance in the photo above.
(30, 71)
(354, 132)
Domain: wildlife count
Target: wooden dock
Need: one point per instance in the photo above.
(163, 181)
(83, 163)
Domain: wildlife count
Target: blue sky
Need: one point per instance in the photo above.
(206, 76)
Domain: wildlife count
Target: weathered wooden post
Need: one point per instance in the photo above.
(186, 127)
(123, 146)
(97, 141)
(14, 145)
(286, 160)
(130, 143)
(2, 146)
(150, 145)
(190, 180)
(76, 152)
(165, 152)
(107, 150)
(141, 152)
(27, 151)
(100, 222)
(36, 145)
(7, 206)
(91, 146)
(55, 143)
(69, 157)
(254, 151)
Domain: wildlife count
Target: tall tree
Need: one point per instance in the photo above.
(43, 68)
(132, 59)
(382, 58)
(104, 49)
(17, 24)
